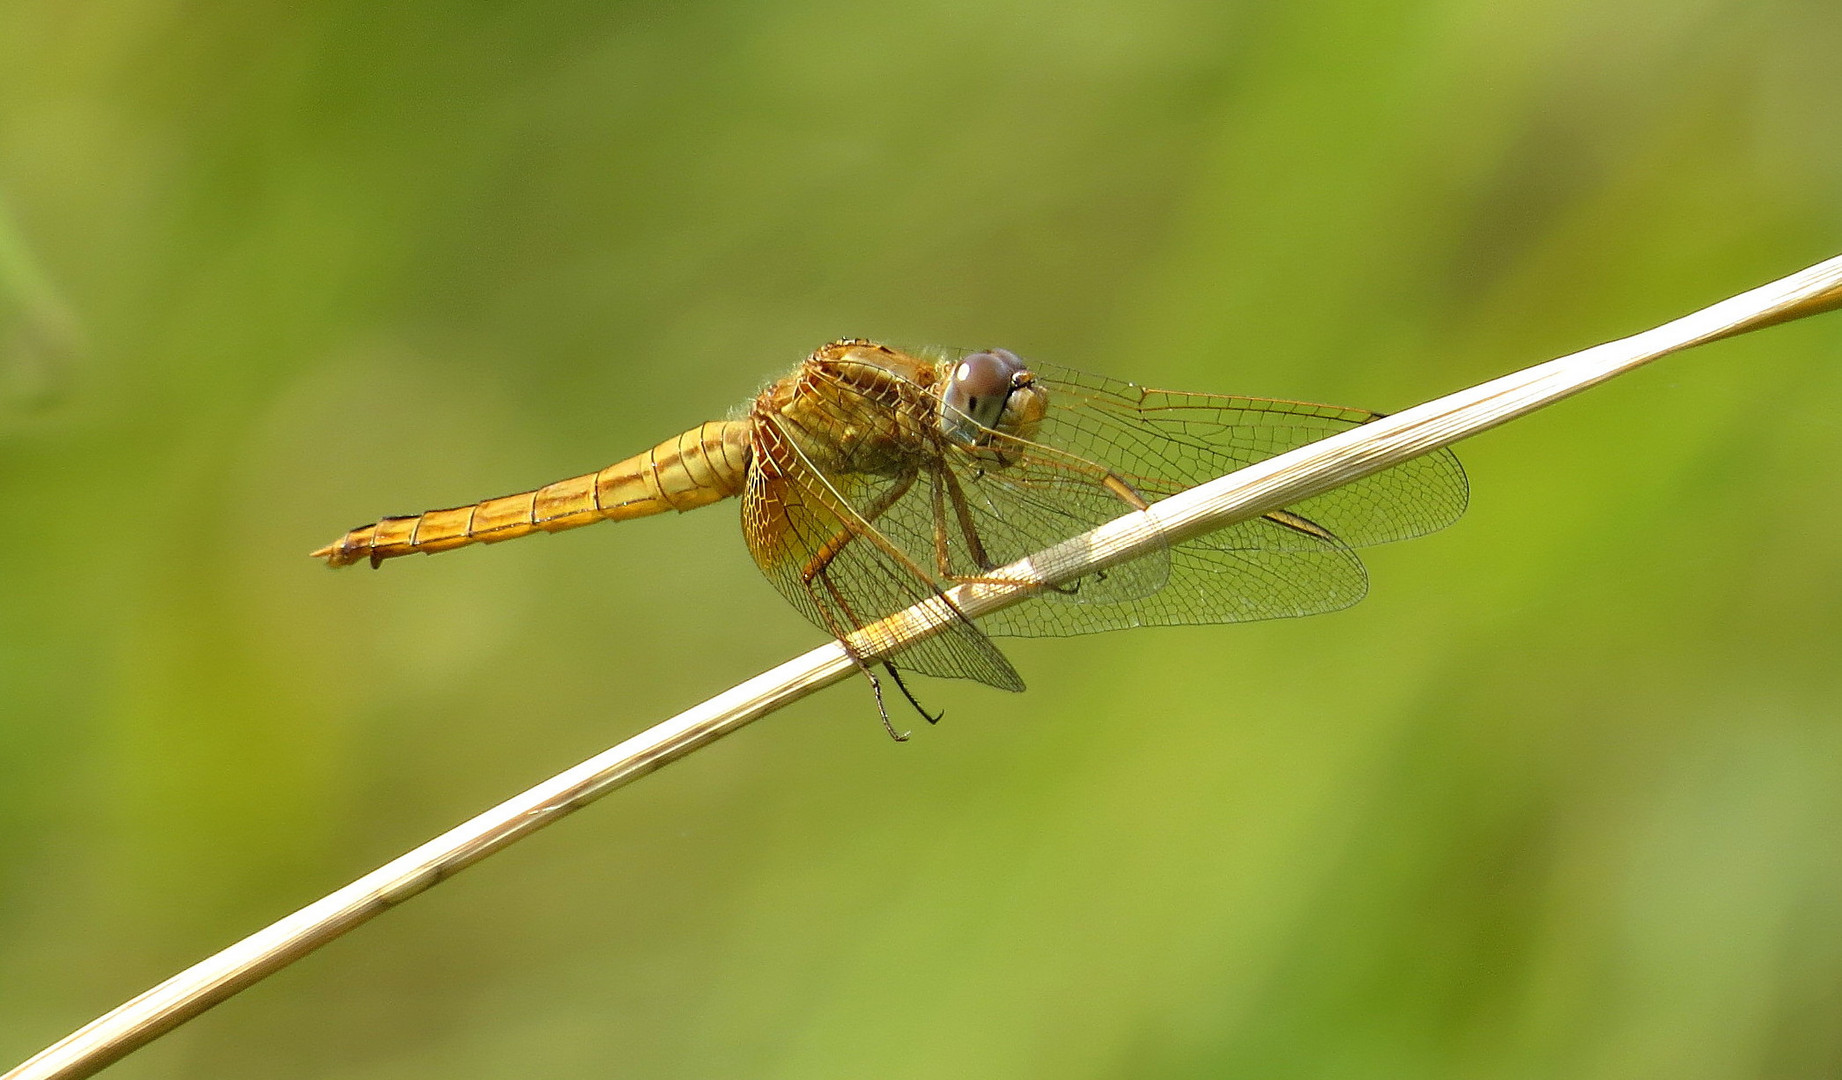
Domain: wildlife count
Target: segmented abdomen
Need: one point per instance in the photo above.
(699, 467)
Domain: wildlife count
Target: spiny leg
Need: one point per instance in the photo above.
(903, 687)
(863, 665)
(815, 570)
(1114, 484)
(967, 528)
(1299, 523)
(875, 684)
(834, 547)
(943, 559)
(882, 709)
(946, 487)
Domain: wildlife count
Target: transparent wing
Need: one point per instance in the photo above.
(1159, 443)
(816, 539)
(1162, 441)
(1254, 570)
(964, 518)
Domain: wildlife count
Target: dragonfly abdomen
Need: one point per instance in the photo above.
(697, 468)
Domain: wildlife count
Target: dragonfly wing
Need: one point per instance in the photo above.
(817, 538)
(1158, 443)
(1204, 584)
(1043, 498)
(1163, 441)
(969, 519)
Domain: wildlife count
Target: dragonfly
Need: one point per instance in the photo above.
(874, 478)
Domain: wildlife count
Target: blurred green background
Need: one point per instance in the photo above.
(1563, 798)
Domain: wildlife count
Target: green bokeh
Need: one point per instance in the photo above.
(1563, 798)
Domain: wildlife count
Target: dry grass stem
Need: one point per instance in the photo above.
(1268, 485)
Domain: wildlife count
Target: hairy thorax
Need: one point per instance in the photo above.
(858, 407)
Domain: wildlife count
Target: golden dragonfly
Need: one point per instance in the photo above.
(873, 478)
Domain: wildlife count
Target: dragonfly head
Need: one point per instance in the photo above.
(991, 391)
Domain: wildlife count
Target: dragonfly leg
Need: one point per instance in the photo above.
(1116, 484)
(839, 616)
(947, 489)
(876, 687)
(836, 545)
(863, 665)
(903, 687)
(1299, 523)
(943, 560)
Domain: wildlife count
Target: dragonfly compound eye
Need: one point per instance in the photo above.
(977, 392)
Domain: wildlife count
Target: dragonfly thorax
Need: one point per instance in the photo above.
(859, 407)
